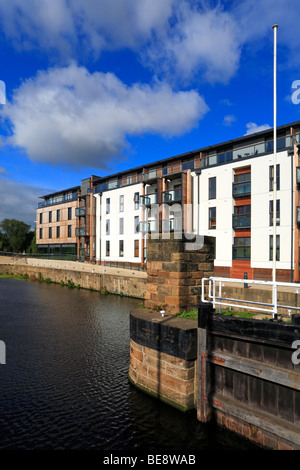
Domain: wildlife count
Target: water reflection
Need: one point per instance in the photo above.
(65, 382)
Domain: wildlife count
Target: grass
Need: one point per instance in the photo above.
(193, 314)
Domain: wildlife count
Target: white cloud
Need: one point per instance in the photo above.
(173, 36)
(229, 119)
(19, 200)
(252, 128)
(70, 116)
(201, 40)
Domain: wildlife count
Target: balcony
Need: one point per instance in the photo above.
(298, 216)
(241, 189)
(298, 176)
(80, 211)
(241, 221)
(81, 232)
(172, 225)
(174, 195)
(148, 227)
(149, 199)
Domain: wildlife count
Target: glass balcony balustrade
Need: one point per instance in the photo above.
(174, 195)
(241, 221)
(241, 189)
(80, 211)
(149, 199)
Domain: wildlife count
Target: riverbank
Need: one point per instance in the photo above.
(104, 279)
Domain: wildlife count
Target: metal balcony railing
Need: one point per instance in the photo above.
(171, 225)
(148, 227)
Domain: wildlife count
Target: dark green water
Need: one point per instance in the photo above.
(65, 382)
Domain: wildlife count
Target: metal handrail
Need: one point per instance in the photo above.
(218, 299)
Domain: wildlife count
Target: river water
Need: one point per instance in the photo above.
(65, 382)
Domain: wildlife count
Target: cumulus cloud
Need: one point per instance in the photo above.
(70, 116)
(19, 200)
(252, 128)
(171, 36)
(229, 119)
(201, 40)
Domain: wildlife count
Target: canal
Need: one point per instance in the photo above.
(65, 382)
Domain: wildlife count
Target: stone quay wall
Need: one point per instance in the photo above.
(163, 354)
(122, 282)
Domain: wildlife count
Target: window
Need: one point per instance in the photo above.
(58, 215)
(69, 213)
(121, 248)
(107, 248)
(57, 232)
(41, 233)
(277, 212)
(136, 248)
(212, 218)
(107, 227)
(241, 248)
(41, 217)
(108, 205)
(121, 226)
(212, 188)
(136, 201)
(136, 224)
(121, 204)
(50, 217)
(271, 177)
(277, 248)
(69, 231)
(50, 232)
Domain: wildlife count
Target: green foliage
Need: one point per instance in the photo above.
(190, 315)
(15, 235)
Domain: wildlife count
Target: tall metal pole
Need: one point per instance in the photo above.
(274, 171)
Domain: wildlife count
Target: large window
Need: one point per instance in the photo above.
(58, 215)
(241, 248)
(50, 232)
(136, 224)
(41, 233)
(121, 203)
(108, 205)
(212, 188)
(136, 201)
(212, 218)
(57, 232)
(121, 248)
(107, 227)
(50, 217)
(277, 212)
(277, 248)
(121, 226)
(136, 248)
(271, 177)
(107, 248)
(69, 213)
(41, 217)
(69, 231)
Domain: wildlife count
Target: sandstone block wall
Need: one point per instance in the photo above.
(174, 274)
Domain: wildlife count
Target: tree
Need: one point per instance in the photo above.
(17, 234)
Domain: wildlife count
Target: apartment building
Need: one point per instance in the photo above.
(56, 222)
(224, 190)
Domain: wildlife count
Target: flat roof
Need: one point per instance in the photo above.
(186, 155)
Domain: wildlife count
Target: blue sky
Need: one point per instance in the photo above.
(99, 86)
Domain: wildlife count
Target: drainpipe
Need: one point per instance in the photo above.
(291, 154)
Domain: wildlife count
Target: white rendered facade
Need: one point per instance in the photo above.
(118, 214)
